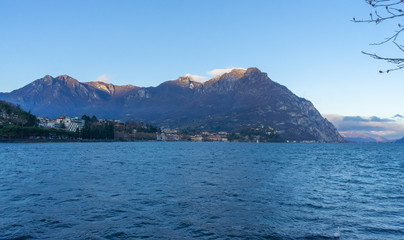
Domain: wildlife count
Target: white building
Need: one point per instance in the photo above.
(72, 124)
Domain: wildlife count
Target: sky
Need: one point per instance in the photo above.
(381, 129)
(311, 47)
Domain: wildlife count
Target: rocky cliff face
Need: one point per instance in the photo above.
(235, 100)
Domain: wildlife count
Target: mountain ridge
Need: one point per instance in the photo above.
(234, 100)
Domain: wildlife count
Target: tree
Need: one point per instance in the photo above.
(86, 118)
(389, 11)
(94, 119)
(31, 119)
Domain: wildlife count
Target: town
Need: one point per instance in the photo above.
(133, 131)
(15, 123)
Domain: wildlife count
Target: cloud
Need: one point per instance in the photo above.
(367, 119)
(354, 119)
(197, 78)
(390, 128)
(214, 72)
(377, 119)
(102, 78)
(221, 71)
(364, 135)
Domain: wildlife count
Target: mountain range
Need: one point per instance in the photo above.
(235, 100)
(363, 137)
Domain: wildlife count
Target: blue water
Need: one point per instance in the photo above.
(201, 190)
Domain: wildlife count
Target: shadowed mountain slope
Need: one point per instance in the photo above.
(235, 100)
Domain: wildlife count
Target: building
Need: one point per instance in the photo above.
(74, 124)
(67, 123)
(169, 131)
(4, 115)
(214, 138)
(47, 123)
(196, 138)
(168, 137)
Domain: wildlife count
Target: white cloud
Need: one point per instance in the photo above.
(102, 78)
(333, 117)
(221, 71)
(197, 78)
(390, 128)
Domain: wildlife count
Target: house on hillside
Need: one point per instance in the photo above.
(60, 119)
(47, 123)
(4, 115)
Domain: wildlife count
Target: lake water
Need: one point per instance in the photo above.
(170, 190)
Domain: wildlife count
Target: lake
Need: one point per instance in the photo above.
(187, 190)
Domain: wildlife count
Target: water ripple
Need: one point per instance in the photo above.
(201, 190)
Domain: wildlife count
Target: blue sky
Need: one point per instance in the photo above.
(311, 47)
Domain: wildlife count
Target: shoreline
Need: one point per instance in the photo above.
(23, 140)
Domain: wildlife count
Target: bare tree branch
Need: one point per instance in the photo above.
(388, 10)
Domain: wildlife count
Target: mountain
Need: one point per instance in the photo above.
(363, 137)
(235, 100)
(401, 140)
(64, 95)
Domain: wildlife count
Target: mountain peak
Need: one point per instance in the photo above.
(234, 74)
(110, 88)
(64, 77)
(237, 72)
(185, 81)
(47, 78)
(252, 70)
